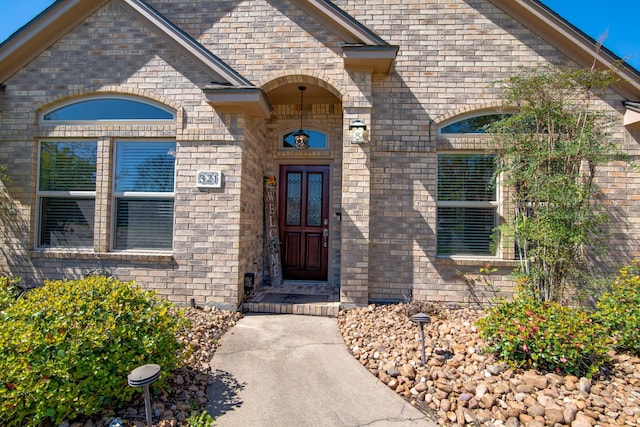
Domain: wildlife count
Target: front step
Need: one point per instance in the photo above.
(311, 299)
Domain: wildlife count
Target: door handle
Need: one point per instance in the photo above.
(325, 234)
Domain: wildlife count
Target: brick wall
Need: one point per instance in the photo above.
(451, 52)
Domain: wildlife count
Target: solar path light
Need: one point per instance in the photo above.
(143, 377)
(421, 319)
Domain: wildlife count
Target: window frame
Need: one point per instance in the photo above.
(124, 195)
(43, 122)
(495, 205)
(61, 194)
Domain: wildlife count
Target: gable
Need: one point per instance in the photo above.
(63, 16)
(359, 48)
(571, 41)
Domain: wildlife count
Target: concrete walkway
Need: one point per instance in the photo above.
(282, 370)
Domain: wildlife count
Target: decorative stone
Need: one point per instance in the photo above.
(538, 381)
(408, 371)
(554, 415)
(585, 385)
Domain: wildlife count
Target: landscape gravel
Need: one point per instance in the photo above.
(462, 385)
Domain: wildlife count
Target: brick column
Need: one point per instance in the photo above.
(356, 195)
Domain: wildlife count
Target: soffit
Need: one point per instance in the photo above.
(571, 41)
(632, 114)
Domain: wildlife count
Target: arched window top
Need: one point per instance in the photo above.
(475, 124)
(108, 108)
(318, 140)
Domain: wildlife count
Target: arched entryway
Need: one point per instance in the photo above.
(309, 196)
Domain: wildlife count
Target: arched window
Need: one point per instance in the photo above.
(108, 109)
(317, 140)
(475, 124)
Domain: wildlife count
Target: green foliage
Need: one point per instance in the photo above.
(200, 420)
(619, 310)
(9, 291)
(550, 149)
(481, 286)
(3, 174)
(545, 336)
(67, 347)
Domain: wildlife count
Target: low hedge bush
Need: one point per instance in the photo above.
(67, 347)
(619, 310)
(9, 291)
(545, 336)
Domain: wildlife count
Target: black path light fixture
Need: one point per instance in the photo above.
(143, 376)
(301, 138)
(421, 319)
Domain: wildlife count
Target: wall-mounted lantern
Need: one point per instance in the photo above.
(358, 132)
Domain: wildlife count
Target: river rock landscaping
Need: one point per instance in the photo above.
(461, 385)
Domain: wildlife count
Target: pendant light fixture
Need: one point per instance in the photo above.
(301, 138)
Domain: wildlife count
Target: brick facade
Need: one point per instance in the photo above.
(384, 192)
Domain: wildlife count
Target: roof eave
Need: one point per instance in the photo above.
(249, 100)
(338, 21)
(631, 117)
(377, 59)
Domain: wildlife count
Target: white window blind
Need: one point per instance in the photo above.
(144, 195)
(66, 194)
(467, 204)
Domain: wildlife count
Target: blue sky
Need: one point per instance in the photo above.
(618, 19)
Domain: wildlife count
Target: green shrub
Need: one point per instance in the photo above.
(67, 347)
(545, 336)
(619, 310)
(9, 291)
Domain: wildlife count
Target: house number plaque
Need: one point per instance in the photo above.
(209, 179)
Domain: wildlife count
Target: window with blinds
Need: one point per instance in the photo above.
(467, 206)
(66, 194)
(144, 195)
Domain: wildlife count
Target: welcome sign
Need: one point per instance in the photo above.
(272, 230)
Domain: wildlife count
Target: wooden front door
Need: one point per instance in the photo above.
(304, 222)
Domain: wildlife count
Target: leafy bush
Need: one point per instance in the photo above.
(9, 291)
(546, 336)
(619, 310)
(67, 347)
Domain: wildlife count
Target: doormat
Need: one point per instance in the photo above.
(293, 298)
